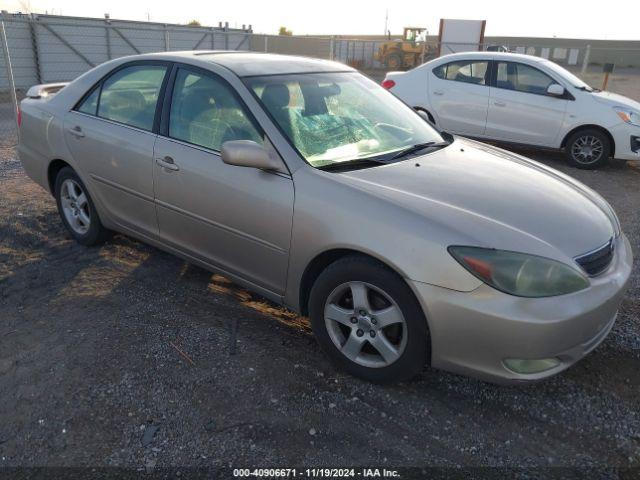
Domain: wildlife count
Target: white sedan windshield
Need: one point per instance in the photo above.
(337, 117)
(570, 77)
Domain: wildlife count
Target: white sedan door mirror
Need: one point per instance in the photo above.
(424, 115)
(555, 90)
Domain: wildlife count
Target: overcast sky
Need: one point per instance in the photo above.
(613, 19)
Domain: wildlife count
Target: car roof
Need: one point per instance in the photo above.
(247, 64)
(492, 56)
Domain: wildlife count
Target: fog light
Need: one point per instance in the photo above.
(527, 366)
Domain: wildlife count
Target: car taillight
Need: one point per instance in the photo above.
(388, 84)
(19, 117)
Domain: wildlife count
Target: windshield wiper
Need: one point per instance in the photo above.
(351, 164)
(588, 88)
(417, 147)
(383, 159)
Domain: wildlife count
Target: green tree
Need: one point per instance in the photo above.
(194, 23)
(284, 31)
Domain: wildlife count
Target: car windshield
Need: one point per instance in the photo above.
(568, 76)
(334, 118)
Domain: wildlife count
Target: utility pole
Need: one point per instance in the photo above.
(386, 21)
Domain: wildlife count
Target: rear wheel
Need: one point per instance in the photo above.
(588, 149)
(76, 209)
(368, 321)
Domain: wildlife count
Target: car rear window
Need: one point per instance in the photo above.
(466, 71)
(128, 96)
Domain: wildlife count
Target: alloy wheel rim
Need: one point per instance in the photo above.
(365, 324)
(587, 149)
(75, 206)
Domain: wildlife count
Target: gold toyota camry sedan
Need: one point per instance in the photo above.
(308, 183)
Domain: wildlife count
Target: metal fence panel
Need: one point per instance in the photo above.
(47, 48)
(22, 55)
(8, 96)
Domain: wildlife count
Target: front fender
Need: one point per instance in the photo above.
(330, 215)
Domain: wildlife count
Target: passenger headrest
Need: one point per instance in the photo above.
(275, 95)
(195, 102)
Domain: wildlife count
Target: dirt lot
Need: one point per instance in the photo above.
(118, 356)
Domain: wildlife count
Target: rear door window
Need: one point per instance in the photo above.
(466, 71)
(130, 95)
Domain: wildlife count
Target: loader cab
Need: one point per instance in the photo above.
(414, 34)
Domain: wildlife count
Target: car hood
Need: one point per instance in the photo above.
(490, 197)
(613, 99)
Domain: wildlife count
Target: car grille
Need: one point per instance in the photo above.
(598, 260)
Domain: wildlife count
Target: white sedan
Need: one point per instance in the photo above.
(522, 99)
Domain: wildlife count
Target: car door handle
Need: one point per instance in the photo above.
(438, 92)
(168, 163)
(499, 104)
(76, 131)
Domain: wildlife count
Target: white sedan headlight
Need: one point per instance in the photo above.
(627, 115)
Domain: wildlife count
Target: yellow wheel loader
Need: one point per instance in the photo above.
(405, 53)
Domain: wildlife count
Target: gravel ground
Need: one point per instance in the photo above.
(118, 356)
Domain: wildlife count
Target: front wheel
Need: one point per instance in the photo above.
(368, 321)
(394, 61)
(588, 149)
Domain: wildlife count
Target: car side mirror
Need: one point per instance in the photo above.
(555, 90)
(447, 137)
(423, 115)
(247, 153)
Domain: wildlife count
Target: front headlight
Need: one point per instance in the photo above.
(519, 273)
(628, 115)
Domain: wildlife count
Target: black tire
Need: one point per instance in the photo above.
(595, 160)
(96, 232)
(394, 60)
(416, 353)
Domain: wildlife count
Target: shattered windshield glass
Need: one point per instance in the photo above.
(339, 117)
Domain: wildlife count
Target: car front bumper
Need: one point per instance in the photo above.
(627, 141)
(472, 333)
